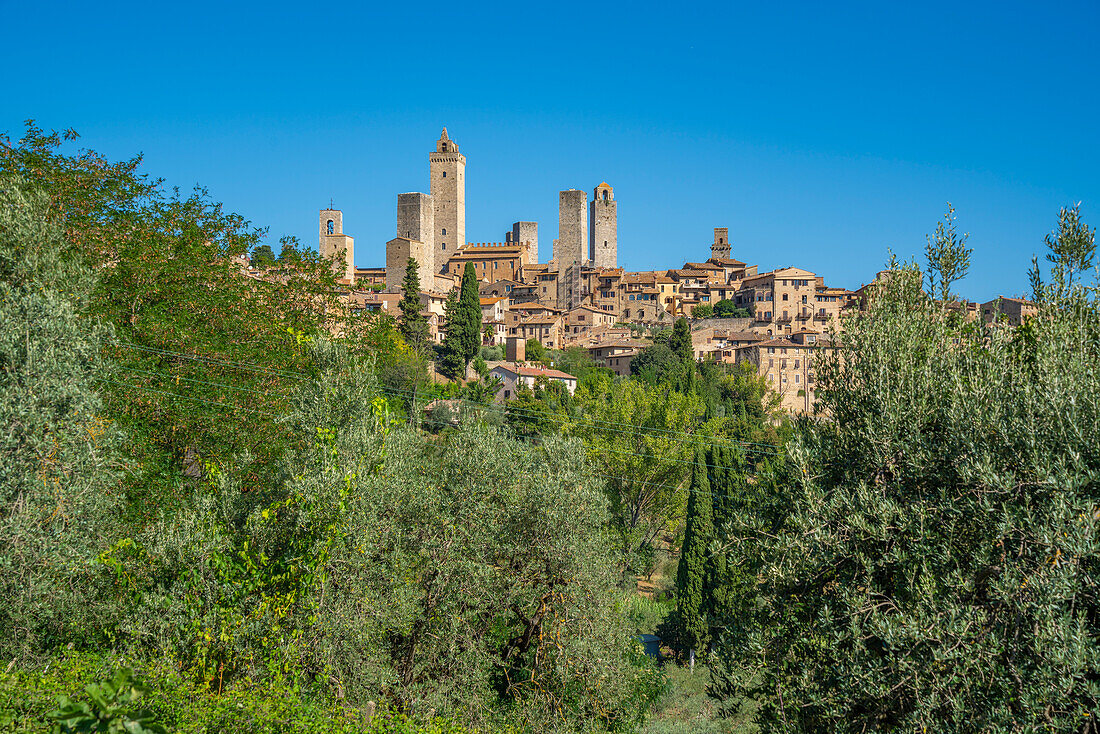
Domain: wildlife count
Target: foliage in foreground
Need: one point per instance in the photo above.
(928, 559)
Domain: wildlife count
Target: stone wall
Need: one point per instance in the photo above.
(398, 252)
(448, 191)
(527, 234)
(604, 245)
(572, 244)
(416, 221)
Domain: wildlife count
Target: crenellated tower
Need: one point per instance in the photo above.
(448, 192)
(603, 243)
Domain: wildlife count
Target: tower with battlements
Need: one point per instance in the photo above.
(448, 199)
(603, 245)
(721, 247)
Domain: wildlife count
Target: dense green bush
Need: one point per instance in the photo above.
(927, 559)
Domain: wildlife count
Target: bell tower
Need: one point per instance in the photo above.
(448, 192)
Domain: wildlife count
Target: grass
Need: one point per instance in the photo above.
(687, 709)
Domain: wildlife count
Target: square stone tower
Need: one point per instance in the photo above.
(335, 245)
(448, 191)
(526, 235)
(416, 222)
(603, 220)
(721, 246)
(572, 243)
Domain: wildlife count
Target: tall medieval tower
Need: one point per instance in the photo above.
(571, 247)
(448, 192)
(603, 220)
(721, 247)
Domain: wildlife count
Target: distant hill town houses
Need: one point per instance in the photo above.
(582, 298)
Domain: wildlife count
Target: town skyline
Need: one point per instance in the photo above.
(744, 118)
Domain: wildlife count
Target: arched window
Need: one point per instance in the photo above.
(444, 246)
(444, 150)
(331, 227)
(444, 174)
(444, 230)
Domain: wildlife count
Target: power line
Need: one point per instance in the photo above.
(683, 436)
(187, 397)
(201, 382)
(214, 360)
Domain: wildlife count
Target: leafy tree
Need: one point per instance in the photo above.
(290, 250)
(948, 256)
(59, 453)
(702, 311)
(727, 309)
(635, 434)
(691, 575)
(263, 256)
(534, 351)
(1072, 245)
(926, 560)
(414, 324)
(679, 341)
(658, 365)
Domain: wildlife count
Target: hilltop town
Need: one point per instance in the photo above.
(580, 297)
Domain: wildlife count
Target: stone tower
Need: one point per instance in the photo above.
(572, 243)
(448, 191)
(603, 223)
(416, 222)
(526, 234)
(335, 245)
(721, 246)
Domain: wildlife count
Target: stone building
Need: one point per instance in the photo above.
(416, 221)
(526, 234)
(336, 246)
(721, 247)
(448, 192)
(492, 261)
(603, 220)
(572, 243)
(398, 252)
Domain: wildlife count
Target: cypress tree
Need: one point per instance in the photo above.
(414, 325)
(452, 361)
(691, 574)
(721, 585)
(470, 306)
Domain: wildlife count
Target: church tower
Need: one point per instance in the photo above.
(448, 192)
(603, 221)
(335, 245)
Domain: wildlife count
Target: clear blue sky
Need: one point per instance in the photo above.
(820, 134)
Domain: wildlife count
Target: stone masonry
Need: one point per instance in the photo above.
(603, 220)
(335, 245)
(448, 191)
(721, 246)
(416, 221)
(572, 243)
(527, 233)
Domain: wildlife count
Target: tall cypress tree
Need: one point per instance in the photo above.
(452, 358)
(721, 586)
(691, 575)
(414, 325)
(470, 306)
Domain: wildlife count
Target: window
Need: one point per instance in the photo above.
(796, 364)
(804, 299)
(444, 173)
(444, 246)
(331, 227)
(771, 350)
(444, 230)
(771, 363)
(784, 296)
(796, 378)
